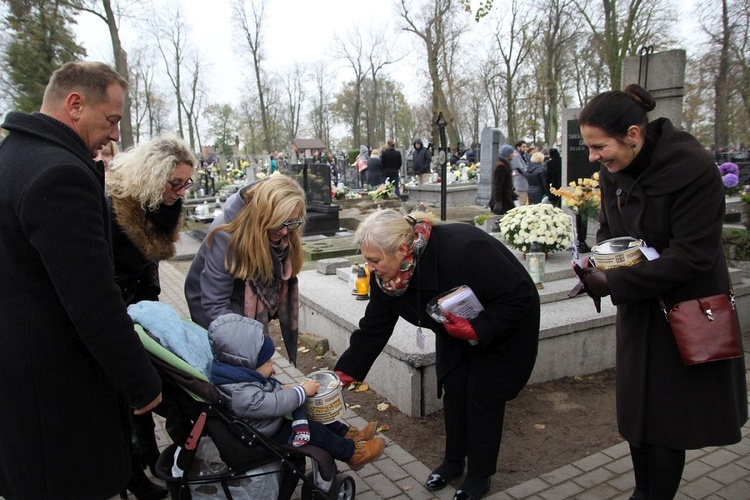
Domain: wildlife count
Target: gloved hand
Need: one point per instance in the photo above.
(345, 378)
(595, 280)
(459, 327)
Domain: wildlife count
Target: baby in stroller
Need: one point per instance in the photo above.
(242, 372)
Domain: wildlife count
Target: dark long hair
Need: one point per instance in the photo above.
(617, 110)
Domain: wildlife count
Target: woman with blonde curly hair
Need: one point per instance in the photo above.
(248, 263)
(145, 187)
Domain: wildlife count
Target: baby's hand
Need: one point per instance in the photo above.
(310, 386)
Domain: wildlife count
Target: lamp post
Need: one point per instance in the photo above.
(443, 184)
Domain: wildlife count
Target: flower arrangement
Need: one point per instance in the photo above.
(730, 176)
(340, 191)
(541, 223)
(581, 196)
(237, 173)
(383, 191)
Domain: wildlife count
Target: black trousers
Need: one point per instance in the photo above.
(473, 420)
(658, 470)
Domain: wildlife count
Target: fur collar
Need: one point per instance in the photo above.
(155, 243)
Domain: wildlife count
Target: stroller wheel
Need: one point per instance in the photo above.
(344, 488)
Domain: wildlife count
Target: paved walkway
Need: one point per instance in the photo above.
(715, 473)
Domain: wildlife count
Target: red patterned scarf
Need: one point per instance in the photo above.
(398, 285)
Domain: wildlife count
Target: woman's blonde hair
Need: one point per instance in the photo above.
(537, 157)
(386, 230)
(268, 203)
(142, 172)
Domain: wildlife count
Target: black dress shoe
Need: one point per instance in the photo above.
(463, 495)
(438, 481)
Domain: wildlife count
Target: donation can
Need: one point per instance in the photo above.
(328, 404)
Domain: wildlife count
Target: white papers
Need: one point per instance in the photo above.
(459, 301)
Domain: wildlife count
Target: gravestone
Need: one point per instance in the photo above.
(491, 141)
(663, 75)
(575, 154)
(315, 179)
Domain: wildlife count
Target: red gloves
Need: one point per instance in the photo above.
(459, 327)
(345, 378)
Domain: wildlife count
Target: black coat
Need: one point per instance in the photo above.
(390, 159)
(374, 171)
(673, 198)
(554, 175)
(508, 328)
(141, 239)
(68, 350)
(502, 187)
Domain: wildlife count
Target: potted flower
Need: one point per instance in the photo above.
(730, 177)
(582, 197)
(540, 225)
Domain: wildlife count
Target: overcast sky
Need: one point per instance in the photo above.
(297, 31)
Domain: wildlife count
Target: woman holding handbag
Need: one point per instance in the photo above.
(658, 184)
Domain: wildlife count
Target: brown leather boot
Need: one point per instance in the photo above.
(365, 452)
(364, 434)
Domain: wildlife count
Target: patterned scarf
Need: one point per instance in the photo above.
(398, 285)
(263, 302)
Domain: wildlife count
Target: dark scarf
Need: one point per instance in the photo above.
(224, 373)
(165, 218)
(398, 285)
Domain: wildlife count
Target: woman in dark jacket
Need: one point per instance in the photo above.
(412, 262)
(374, 169)
(145, 187)
(554, 175)
(501, 199)
(536, 174)
(659, 185)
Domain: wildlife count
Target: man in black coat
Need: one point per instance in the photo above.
(69, 356)
(390, 163)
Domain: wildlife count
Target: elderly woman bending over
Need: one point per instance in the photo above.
(412, 261)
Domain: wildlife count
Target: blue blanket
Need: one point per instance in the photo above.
(183, 338)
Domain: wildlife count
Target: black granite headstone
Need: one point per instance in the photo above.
(578, 163)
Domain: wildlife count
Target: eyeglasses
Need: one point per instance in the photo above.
(177, 185)
(290, 226)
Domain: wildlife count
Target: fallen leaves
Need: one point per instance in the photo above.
(540, 426)
(362, 388)
(383, 406)
(382, 428)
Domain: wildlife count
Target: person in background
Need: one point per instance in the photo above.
(145, 188)
(331, 161)
(501, 199)
(391, 161)
(412, 261)
(421, 161)
(554, 175)
(518, 166)
(106, 154)
(659, 185)
(361, 163)
(374, 169)
(536, 175)
(71, 363)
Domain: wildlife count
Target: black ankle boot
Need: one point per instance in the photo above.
(142, 487)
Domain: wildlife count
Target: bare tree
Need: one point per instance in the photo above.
(514, 50)
(170, 34)
(557, 29)
(352, 50)
(320, 116)
(292, 84)
(249, 25)
(431, 22)
(110, 13)
(621, 27)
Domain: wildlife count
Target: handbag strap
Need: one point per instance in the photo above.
(732, 301)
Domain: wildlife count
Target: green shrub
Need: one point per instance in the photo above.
(479, 219)
(741, 241)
